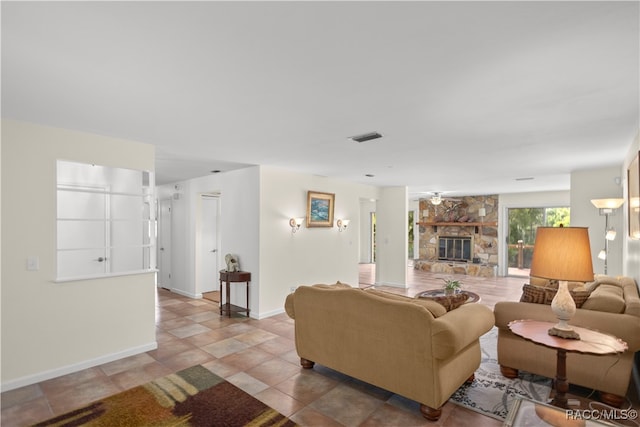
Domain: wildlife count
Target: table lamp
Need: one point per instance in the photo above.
(562, 254)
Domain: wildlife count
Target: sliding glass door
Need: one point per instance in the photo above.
(523, 223)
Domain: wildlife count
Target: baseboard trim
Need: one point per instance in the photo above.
(270, 313)
(392, 284)
(186, 294)
(69, 369)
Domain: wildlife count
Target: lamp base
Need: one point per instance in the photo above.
(564, 333)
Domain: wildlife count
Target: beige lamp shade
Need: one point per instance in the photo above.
(562, 253)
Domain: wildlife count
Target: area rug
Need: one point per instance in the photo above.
(492, 394)
(192, 397)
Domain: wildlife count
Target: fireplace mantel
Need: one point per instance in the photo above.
(460, 224)
(435, 225)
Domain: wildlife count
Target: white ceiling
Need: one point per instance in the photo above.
(470, 96)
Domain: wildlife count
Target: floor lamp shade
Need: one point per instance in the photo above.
(562, 254)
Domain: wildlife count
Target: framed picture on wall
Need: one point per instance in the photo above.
(320, 209)
(633, 181)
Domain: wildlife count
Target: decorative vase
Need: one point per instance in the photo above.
(564, 308)
(449, 292)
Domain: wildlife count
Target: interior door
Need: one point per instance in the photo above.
(209, 255)
(164, 244)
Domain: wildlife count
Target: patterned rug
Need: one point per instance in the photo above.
(192, 397)
(492, 394)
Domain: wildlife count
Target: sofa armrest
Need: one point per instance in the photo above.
(459, 328)
(506, 311)
(623, 326)
(288, 306)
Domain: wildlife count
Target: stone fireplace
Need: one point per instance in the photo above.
(454, 238)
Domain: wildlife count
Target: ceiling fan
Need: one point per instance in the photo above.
(437, 198)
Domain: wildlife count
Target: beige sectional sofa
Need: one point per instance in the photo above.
(612, 306)
(411, 347)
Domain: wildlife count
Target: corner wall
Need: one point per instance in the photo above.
(392, 239)
(256, 204)
(311, 255)
(51, 329)
(631, 248)
(599, 184)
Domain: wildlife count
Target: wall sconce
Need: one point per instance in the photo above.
(607, 207)
(295, 224)
(342, 224)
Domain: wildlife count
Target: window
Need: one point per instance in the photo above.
(104, 221)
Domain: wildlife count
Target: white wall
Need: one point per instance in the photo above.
(391, 236)
(599, 184)
(631, 248)
(239, 232)
(50, 329)
(256, 204)
(312, 255)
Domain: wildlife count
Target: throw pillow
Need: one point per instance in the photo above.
(533, 294)
(449, 302)
(544, 295)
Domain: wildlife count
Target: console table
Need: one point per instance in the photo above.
(233, 277)
(590, 342)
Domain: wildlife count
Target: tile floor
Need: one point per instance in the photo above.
(256, 355)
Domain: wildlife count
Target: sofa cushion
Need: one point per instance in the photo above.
(433, 307)
(544, 295)
(605, 297)
(337, 285)
(436, 309)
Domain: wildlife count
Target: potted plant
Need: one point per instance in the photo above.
(451, 286)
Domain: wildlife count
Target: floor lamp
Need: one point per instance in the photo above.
(607, 207)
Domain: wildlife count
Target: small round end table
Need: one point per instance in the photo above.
(590, 342)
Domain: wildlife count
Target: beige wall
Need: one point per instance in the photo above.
(631, 248)
(392, 236)
(599, 184)
(256, 204)
(48, 328)
(312, 255)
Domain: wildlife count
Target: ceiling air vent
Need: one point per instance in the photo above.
(366, 137)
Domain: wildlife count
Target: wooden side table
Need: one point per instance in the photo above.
(233, 277)
(590, 342)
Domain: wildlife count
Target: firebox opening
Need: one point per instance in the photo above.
(455, 248)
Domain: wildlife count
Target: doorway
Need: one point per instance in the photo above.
(208, 243)
(164, 244)
(523, 223)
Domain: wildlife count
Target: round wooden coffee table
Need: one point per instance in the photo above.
(439, 293)
(590, 342)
